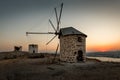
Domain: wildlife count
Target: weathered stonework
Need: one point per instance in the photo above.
(71, 48)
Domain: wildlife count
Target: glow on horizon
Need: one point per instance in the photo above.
(104, 47)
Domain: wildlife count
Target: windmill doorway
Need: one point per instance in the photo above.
(80, 56)
(33, 51)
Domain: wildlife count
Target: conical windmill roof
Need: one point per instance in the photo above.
(70, 31)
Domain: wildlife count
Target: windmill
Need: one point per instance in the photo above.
(72, 41)
(56, 29)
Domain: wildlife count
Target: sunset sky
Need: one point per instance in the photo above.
(99, 19)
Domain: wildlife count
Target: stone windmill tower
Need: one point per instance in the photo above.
(72, 45)
(72, 41)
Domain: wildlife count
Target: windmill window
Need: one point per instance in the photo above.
(79, 39)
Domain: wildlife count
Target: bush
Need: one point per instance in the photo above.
(35, 55)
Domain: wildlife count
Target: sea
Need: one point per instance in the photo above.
(106, 59)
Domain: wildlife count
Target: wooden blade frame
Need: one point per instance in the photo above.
(58, 18)
(51, 40)
(52, 25)
(55, 53)
(56, 30)
(40, 33)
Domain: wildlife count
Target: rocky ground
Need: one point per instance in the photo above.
(41, 69)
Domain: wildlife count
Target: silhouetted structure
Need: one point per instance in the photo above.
(33, 48)
(17, 48)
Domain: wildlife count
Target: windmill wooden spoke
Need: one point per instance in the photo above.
(55, 53)
(52, 25)
(56, 16)
(57, 48)
(59, 17)
(40, 33)
(51, 40)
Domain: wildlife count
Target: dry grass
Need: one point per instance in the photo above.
(35, 69)
(42, 69)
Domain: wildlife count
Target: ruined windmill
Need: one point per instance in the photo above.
(72, 41)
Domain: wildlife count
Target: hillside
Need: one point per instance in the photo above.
(21, 54)
(112, 54)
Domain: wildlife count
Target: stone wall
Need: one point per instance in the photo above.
(69, 47)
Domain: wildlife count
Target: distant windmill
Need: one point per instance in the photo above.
(72, 41)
